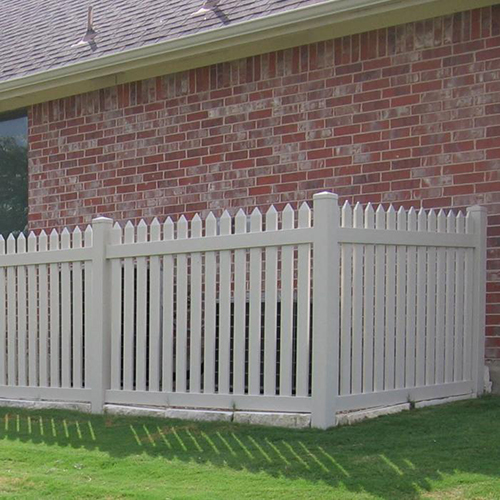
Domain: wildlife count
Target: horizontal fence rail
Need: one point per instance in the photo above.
(310, 310)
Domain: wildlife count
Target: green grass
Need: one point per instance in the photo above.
(446, 452)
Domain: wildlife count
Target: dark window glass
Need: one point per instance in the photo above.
(13, 173)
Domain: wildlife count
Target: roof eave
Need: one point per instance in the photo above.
(323, 21)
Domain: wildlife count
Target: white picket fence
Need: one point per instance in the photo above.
(356, 309)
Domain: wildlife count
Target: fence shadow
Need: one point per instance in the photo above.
(406, 451)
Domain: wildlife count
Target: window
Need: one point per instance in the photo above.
(13, 173)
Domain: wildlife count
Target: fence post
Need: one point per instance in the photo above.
(98, 346)
(325, 369)
(479, 217)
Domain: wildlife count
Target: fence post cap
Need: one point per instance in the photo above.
(325, 195)
(102, 220)
(476, 208)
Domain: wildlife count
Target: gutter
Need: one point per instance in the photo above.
(327, 20)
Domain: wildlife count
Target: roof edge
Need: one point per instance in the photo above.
(328, 20)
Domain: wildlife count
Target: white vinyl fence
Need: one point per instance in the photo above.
(351, 310)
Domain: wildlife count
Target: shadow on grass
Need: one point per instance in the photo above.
(393, 457)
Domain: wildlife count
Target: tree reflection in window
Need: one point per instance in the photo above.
(13, 173)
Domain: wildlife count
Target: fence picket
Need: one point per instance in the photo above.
(255, 329)
(11, 315)
(240, 306)
(368, 305)
(65, 314)
(421, 302)
(181, 331)
(3, 320)
(128, 313)
(141, 312)
(357, 307)
(450, 302)
(77, 316)
(400, 304)
(440, 301)
(303, 307)
(154, 347)
(224, 309)
(210, 309)
(22, 331)
(379, 332)
(411, 302)
(286, 311)
(271, 308)
(43, 281)
(55, 326)
(430, 349)
(196, 307)
(168, 312)
(346, 303)
(390, 308)
(459, 303)
(32, 352)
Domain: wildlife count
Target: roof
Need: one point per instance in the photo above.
(38, 35)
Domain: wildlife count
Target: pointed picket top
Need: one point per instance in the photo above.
(2, 245)
(225, 223)
(391, 218)
(88, 236)
(346, 214)
(11, 244)
(422, 220)
(240, 222)
(412, 219)
(369, 216)
(32, 240)
(256, 221)
(380, 217)
(460, 222)
(358, 216)
(272, 219)
(450, 222)
(54, 240)
(402, 219)
(116, 234)
(168, 229)
(142, 232)
(65, 239)
(43, 241)
(129, 233)
(304, 216)
(77, 238)
(211, 225)
(432, 221)
(441, 221)
(196, 227)
(182, 228)
(155, 230)
(21, 243)
(288, 217)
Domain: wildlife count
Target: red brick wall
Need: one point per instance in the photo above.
(407, 115)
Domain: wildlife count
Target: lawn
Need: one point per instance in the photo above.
(446, 452)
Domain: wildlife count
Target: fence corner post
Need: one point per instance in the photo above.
(479, 217)
(98, 346)
(325, 371)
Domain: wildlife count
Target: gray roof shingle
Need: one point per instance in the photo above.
(38, 35)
